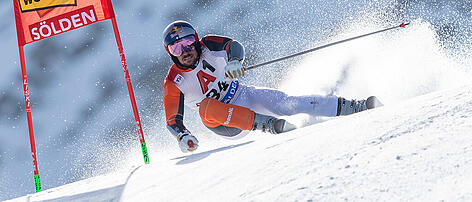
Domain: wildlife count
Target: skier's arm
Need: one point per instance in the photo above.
(234, 68)
(234, 49)
(174, 109)
(234, 52)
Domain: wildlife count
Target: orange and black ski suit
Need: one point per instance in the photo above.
(205, 88)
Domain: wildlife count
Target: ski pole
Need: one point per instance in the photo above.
(325, 46)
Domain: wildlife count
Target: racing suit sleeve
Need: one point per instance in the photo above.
(234, 49)
(174, 107)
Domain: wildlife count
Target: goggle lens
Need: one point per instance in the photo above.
(182, 45)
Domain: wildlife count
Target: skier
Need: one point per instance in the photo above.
(204, 77)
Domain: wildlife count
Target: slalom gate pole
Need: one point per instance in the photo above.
(130, 90)
(37, 181)
(325, 46)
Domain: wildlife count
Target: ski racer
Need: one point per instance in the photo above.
(204, 77)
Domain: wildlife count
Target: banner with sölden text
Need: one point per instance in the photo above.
(41, 19)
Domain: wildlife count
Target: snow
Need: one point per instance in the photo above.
(84, 125)
(416, 150)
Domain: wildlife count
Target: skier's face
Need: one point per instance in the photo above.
(188, 58)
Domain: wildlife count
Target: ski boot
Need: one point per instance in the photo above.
(346, 107)
(271, 124)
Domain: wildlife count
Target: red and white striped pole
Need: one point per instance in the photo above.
(30, 118)
(130, 89)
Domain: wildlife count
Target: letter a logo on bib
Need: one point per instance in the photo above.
(205, 79)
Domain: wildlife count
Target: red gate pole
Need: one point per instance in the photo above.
(37, 181)
(130, 90)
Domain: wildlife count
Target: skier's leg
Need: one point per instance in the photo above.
(215, 113)
(229, 120)
(271, 101)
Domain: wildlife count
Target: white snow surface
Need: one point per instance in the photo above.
(416, 150)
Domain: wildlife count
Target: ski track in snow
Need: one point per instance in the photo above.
(417, 150)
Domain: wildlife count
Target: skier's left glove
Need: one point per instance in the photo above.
(234, 69)
(187, 142)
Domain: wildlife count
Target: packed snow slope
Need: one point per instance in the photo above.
(419, 149)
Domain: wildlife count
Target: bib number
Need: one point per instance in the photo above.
(205, 79)
(214, 93)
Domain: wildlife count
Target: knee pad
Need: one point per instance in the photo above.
(215, 113)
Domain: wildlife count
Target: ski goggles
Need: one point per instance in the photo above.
(182, 45)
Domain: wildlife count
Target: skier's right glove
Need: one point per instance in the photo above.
(187, 142)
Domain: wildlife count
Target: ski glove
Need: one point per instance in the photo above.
(234, 69)
(187, 142)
